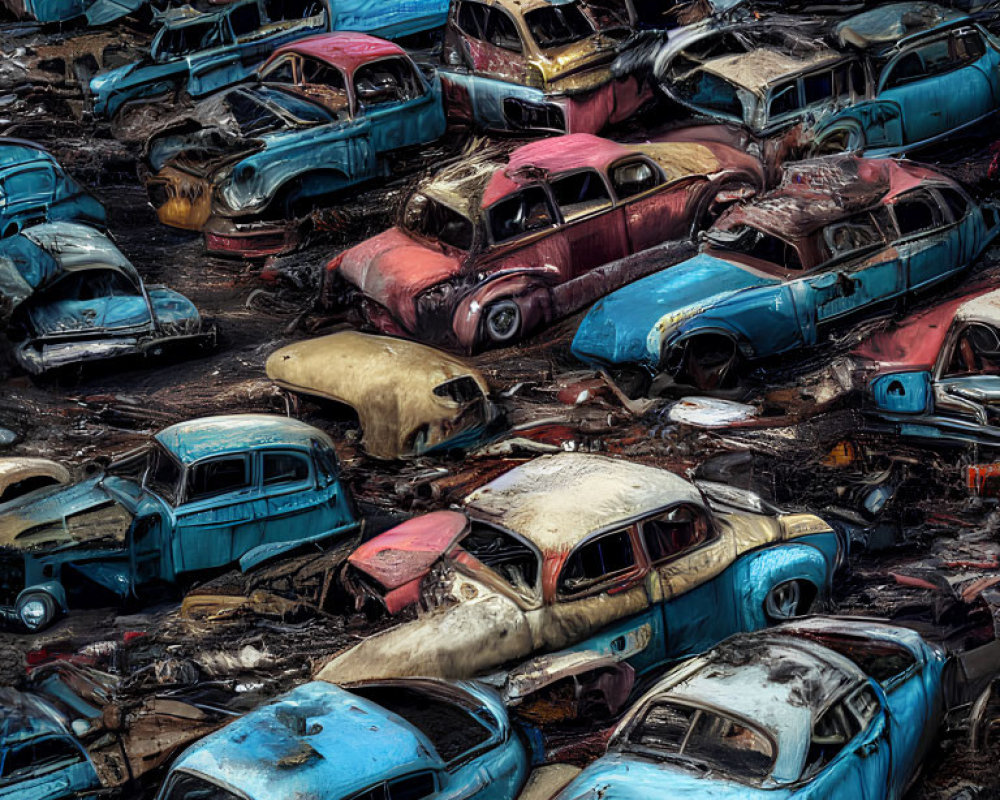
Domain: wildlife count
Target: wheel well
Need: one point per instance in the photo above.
(276, 208)
(809, 592)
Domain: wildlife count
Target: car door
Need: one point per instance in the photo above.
(294, 506)
(926, 81)
(929, 241)
(602, 602)
(395, 102)
(252, 42)
(969, 84)
(490, 44)
(653, 212)
(849, 755)
(221, 511)
(689, 554)
(594, 229)
(524, 237)
(860, 269)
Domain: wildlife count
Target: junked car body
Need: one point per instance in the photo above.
(40, 759)
(75, 298)
(825, 709)
(410, 399)
(392, 740)
(203, 495)
(900, 76)
(579, 553)
(485, 252)
(838, 237)
(543, 65)
(95, 12)
(34, 188)
(936, 375)
(325, 114)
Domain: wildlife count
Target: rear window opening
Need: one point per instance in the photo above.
(511, 559)
(558, 25)
(451, 729)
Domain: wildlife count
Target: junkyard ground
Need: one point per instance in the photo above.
(933, 529)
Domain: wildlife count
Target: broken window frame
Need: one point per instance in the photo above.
(836, 258)
(628, 161)
(417, 85)
(372, 792)
(921, 192)
(523, 235)
(940, 194)
(248, 484)
(37, 771)
(181, 774)
(711, 535)
(609, 580)
(946, 357)
(277, 486)
(955, 62)
(588, 212)
(536, 587)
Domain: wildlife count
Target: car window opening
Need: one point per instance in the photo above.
(510, 558)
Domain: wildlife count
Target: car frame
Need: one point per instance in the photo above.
(515, 259)
(147, 520)
(774, 275)
(510, 581)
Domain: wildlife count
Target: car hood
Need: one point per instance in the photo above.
(24, 268)
(626, 326)
(87, 511)
(621, 777)
(392, 269)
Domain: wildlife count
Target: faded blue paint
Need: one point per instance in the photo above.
(487, 97)
(903, 392)
(644, 322)
(96, 12)
(27, 722)
(349, 744)
(35, 188)
(876, 764)
(169, 535)
(231, 60)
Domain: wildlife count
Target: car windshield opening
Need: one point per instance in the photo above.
(39, 756)
(452, 729)
(510, 558)
(182, 41)
(756, 244)
(164, 475)
(432, 220)
(553, 26)
(712, 93)
(252, 117)
(706, 738)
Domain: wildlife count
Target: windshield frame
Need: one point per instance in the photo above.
(436, 240)
(557, 10)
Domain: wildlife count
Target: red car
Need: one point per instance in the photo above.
(486, 251)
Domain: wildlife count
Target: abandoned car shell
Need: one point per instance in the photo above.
(776, 272)
(34, 188)
(325, 114)
(41, 759)
(76, 298)
(820, 709)
(485, 252)
(20, 475)
(96, 12)
(406, 738)
(205, 494)
(541, 65)
(539, 571)
(936, 375)
(410, 399)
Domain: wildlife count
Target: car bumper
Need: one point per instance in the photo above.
(223, 237)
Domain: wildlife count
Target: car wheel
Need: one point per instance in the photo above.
(36, 610)
(713, 362)
(846, 139)
(786, 601)
(502, 322)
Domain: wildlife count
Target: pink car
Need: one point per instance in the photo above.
(486, 251)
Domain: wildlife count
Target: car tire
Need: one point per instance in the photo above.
(713, 362)
(36, 610)
(845, 139)
(787, 601)
(501, 322)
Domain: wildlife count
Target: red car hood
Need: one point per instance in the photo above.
(392, 269)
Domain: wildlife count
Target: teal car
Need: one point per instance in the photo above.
(202, 496)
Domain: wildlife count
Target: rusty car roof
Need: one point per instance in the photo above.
(199, 438)
(557, 501)
(344, 49)
(759, 68)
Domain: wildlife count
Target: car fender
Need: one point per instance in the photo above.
(524, 288)
(54, 589)
(880, 121)
(760, 571)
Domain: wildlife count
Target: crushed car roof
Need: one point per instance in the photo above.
(345, 49)
(541, 500)
(890, 23)
(199, 438)
(346, 744)
(759, 68)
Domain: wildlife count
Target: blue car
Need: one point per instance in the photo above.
(202, 496)
(400, 740)
(70, 297)
(196, 54)
(840, 236)
(39, 758)
(822, 709)
(95, 12)
(35, 188)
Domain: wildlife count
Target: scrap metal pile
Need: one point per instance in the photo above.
(499, 399)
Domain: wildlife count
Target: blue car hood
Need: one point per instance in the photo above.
(24, 267)
(173, 311)
(617, 329)
(620, 777)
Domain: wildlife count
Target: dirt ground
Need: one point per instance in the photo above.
(931, 528)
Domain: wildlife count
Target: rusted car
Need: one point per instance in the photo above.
(94, 12)
(325, 114)
(840, 236)
(485, 251)
(543, 65)
(577, 553)
(410, 399)
(935, 376)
